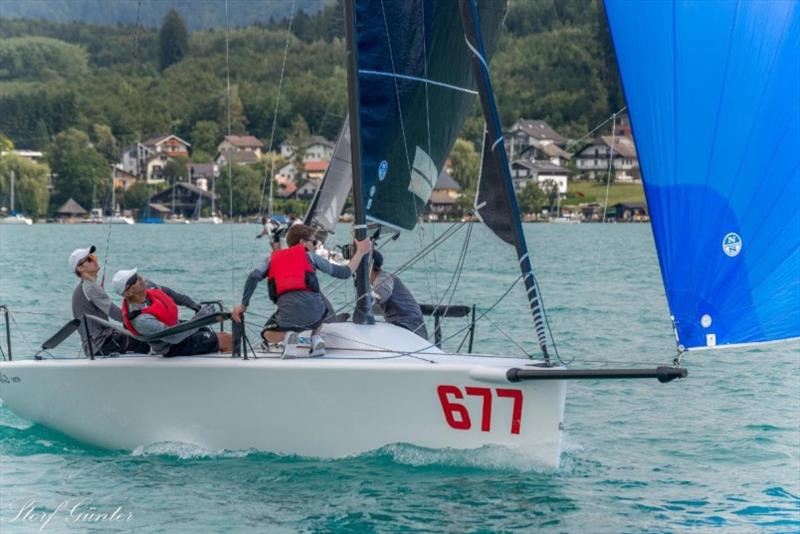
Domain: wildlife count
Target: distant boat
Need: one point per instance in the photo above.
(564, 220)
(97, 217)
(214, 219)
(176, 219)
(16, 218)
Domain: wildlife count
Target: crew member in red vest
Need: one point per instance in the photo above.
(293, 286)
(149, 310)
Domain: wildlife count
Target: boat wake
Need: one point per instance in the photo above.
(490, 457)
(188, 451)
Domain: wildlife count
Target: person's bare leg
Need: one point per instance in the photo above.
(273, 336)
(225, 341)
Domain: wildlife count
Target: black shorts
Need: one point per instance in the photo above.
(119, 343)
(204, 341)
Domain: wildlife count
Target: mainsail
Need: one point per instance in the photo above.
(416, 87)
(332, 193)
(713, 90)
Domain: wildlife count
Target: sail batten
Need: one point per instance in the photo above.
(712, 90)
(418, 79)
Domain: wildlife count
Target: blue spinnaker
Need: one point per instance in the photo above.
(713, 91)
(416, 87)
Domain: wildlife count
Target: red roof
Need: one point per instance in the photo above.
(315, 166)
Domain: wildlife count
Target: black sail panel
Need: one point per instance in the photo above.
(416, 88)
(491, 203)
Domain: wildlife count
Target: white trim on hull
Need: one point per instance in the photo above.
(348, 402)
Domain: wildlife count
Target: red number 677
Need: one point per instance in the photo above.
(457, 415)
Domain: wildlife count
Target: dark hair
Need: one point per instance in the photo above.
(298, 233)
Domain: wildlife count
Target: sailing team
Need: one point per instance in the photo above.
(147, 308)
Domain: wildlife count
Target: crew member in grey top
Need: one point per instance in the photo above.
(394, 299)
(89, 298)
(304, 309)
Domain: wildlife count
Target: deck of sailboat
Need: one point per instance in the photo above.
(381, 345)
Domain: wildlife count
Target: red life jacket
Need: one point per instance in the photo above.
(162, 307)
(290, 270)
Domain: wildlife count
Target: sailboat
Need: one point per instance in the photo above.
(14, 217)
(213, 218)
(175, 218)
(379, 384)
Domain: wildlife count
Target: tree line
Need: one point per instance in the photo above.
(83, 92)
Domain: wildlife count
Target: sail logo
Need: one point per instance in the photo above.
(732, 244)
(382, 169)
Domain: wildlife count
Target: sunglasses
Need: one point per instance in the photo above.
(313, 241)
(88, 259)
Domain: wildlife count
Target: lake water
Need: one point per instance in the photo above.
(719, 451)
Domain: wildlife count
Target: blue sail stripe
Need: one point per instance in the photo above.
(418, 79)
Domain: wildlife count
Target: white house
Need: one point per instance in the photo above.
(145, 160)
(526, 134)
(169, 145)
(592, 159)
(315, 148)
(524, 171)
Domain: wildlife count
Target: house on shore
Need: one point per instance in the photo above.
(592, 160)
(444, 197)
(185, 197)
(71, 212)
(146, 160)
(315, 148)
(240, 143)
(524, 171)
(310, 170)
(526, 134)
(123, 179)
(631, 212)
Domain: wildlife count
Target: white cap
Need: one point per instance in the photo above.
(120, 280)
(79, 254)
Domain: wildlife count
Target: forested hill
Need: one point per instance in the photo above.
(198, 14)
(115, 84)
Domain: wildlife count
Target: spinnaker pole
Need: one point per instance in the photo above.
(494, 141)
(363, 311)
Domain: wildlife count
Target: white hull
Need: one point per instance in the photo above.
(209, 220)
(16, 219)
(347, 402)
(119, 219)
(176, 221)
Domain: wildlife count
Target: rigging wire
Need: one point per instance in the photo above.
(574, 143)
(610, 164)
(229, 158)
(271, 176)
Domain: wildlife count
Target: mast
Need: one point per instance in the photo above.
(363, 311)
(13, 178)
(213, 194)
(494, 139)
